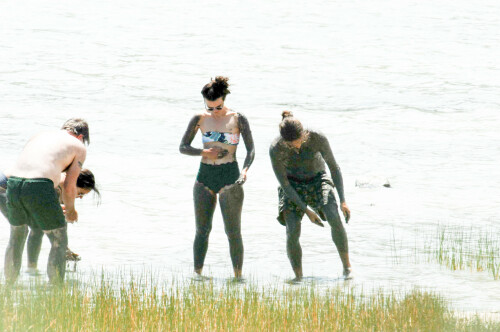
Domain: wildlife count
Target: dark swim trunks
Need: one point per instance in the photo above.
(315, 192)
(216, 177)
(34, 202)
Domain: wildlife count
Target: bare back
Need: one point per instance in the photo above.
(47, 155)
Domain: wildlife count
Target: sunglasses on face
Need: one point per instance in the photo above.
(211, 109)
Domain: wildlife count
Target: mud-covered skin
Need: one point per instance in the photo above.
(230, 197)
(56, 265)
(14, 252)
(303, 164)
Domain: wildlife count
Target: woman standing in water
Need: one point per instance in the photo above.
(298, 157)
(219, 174)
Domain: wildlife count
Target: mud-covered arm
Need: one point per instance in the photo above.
(246, 133)
(327, 154)
(280, 172)
(185, 147)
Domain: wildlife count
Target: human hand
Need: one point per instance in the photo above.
(315, 219)
(243, 177)
(71, 216)
(346, 212)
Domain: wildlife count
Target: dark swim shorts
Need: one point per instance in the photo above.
(216, 177)
(34, 202)
(315, 192)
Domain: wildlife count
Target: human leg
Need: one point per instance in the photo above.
(34, 245)
(338, 232)
(204, 207)
(56, 266)
(293, 248)
(231, 203)
(14, 252)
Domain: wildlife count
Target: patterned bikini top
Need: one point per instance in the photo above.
(226, 138)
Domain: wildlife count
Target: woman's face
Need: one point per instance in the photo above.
(215, 107)
(80, 192)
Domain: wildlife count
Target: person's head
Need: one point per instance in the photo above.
(215, 92)
(78, 127)
(86, 183)
(291, 129)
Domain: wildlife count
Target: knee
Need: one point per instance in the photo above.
(203, 232)
(233, 233)
(292, 234)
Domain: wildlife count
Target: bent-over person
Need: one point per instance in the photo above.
(298, 158)
(32, 197)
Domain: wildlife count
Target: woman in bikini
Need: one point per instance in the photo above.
(298, 157)
(219, 173)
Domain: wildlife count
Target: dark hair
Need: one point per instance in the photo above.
(290, 128)
(216, 88)
(78, 127)
(86, 180)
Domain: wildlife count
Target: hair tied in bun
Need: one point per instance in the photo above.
(286, 114)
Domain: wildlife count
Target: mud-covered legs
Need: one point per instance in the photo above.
(56, 265)
(339, 235)
(204, 207)
(231, 203)
(14, 252)
(34, 246)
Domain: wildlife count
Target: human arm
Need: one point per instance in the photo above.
(69, 186)
(186, 148)
(246, 133)
(280, 172)
(327, 154)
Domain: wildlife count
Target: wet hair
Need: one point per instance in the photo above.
(216, 89)
(290, 128)
(86, 180)
(78, 127)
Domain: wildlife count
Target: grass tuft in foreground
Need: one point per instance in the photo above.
(460, 249)
(144, 305)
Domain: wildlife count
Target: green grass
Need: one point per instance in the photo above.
(113, 304)
(462, 249)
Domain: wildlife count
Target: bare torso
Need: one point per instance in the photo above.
(226, 124)
(47, 155)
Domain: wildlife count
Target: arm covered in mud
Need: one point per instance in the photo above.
(327, 154)
(246, 133)
(185, 147)
(280, 172)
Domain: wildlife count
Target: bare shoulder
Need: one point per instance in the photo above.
(275, 146)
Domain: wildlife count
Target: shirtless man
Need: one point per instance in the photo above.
(32, 198)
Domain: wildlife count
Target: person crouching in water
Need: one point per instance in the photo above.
(298, 159)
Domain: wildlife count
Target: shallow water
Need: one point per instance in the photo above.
(406, 91)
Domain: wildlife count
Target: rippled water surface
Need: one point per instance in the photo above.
(406, 91)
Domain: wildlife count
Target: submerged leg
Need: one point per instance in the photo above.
(293, 249)
(339, 235)
(56, 266)
(14, 252)
(231, 203)
(34, 245)
(204, 207)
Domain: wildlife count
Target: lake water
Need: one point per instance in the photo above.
(406, 91)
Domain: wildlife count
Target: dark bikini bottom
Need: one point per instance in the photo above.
(216, 177)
